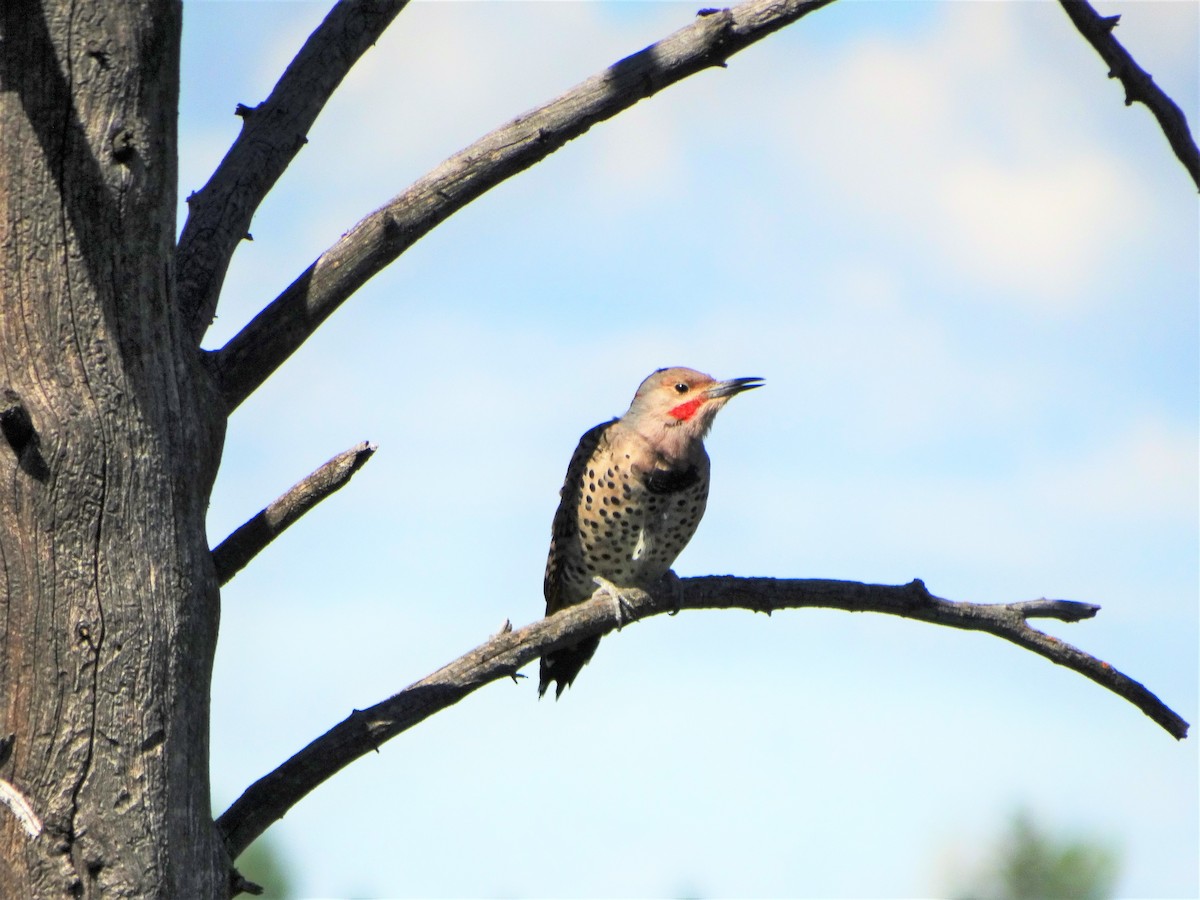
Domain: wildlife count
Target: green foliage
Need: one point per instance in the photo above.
(1033, 865)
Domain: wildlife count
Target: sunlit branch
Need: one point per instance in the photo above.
(233, 553)
(272, 134)
(377, 240)
(269, 798)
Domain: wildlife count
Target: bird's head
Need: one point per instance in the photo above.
(675, 407)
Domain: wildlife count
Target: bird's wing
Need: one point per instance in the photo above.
(565, 527)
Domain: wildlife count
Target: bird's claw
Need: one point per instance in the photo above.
(675, 584)
(621, 607)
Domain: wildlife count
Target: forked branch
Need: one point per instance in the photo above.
(233, 553)
(1139, 85)
(376, 241)
(272, 134)
(269, 798)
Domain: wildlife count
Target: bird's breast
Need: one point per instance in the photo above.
(630, 529)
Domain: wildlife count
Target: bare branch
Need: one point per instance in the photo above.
(269, 798)
(1139, 85)
(267, 341)
(272, 134)
(233, 553)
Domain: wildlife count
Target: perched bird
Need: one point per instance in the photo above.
(634, 493)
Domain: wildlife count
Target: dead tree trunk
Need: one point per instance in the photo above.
(108, 598)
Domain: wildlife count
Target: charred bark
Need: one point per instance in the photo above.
(108, 598)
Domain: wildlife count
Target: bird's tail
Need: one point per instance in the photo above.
(562, 666)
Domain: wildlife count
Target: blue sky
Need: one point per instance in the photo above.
(969, 275)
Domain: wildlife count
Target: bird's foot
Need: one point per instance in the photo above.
(675, 585)
(621, 607)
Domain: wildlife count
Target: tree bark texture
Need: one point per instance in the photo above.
(108, 599)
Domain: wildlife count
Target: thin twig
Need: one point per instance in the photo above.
(1138, 83)
(233, 553)
(376, 241)
(503, 655)
(272, 134)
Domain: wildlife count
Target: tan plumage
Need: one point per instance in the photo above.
(634, 493)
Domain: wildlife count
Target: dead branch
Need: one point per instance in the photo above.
(233, 553)
(377, 240)
(272, 134)
(503, 655)
(1138, 83)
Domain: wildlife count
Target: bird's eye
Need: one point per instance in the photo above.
(681, 388)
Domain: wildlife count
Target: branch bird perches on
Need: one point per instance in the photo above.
(269, 798)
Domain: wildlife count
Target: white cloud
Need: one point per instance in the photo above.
(1035, 227)
(966, 139)
(456, 71)
(638, 156)
(1150, 472)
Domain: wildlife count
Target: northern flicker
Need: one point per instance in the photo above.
(634, 493)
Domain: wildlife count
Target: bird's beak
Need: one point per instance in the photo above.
(731, 387)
